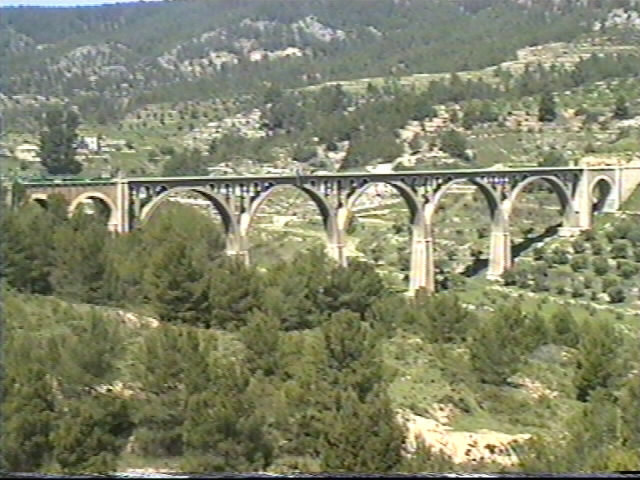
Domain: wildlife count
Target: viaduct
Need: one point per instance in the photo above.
(580, 192)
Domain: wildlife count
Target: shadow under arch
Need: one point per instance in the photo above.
(100, 197)
(40, 199)
(221, 206)
(566, 208)
(411, 200)
(325, 209)
(489, 194)
(563, 195)
(604, 186)
(495, 215)
(405, 260)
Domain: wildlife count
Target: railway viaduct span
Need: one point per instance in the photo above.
(132, 201)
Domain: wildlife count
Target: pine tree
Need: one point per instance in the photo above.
(454, 143)
(261, 337)
(28, 409)
(621, 108)
(629, 401)
(58, 142)
(564, 327)
(224, 430)
(446, 319)
(234, 291)
(27, 253)
(79, 370)
(89, 436)
(353, 354)
(496, 347)
(598, 364)
(547, 107)
(79, 255)
(362, 437)
(352, 288)
(591, 443)
(293, 290)
(176, 283)
(172, 364)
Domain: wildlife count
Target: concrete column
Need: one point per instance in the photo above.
(238, 239)
(582, 204)
(137, 208)
(422, 272)
(617, 190)
(571, 221)
(337, 236)
(500, 251)
(335, 250)
(121, 223)
(238, 247)
(422, 267)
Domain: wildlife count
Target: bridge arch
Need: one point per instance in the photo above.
(496, 220)
(604, 185)
(102, 198)
(325, 209)
(564, 195)
(411, 200)
(41, 199)
(221, 206)
(488, 193)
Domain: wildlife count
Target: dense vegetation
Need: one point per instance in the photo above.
(299, 356)
(295, 363)
(378, 39)
(597, 263)
(112, 59)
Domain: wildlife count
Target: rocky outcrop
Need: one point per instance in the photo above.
(463, 447)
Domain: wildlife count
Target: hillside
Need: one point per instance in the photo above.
(186, 50)
(154, 351)
(201, 365)
(257, 86)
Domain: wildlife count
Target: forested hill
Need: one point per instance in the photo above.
(112, 59)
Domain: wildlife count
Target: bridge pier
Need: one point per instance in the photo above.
(121, 223)
(422, 267)
(499, 252)
(422, 271)
(336, 227)
(230, 195)
(582, 204)
(238, 247)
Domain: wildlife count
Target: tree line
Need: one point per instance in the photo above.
(251, 370)
(383, 39)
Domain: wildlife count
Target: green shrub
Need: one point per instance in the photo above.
(616, 294)
(620, 249)
(577, 289)
(560, 256)
(597, 248)
(627, 269)
(538, 253)
(588, 280)
(600, 266)
(579, 263)
(579, 245)
(609, 281)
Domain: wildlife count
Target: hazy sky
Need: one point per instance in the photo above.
(59, 3)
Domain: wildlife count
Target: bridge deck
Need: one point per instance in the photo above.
(388, 176)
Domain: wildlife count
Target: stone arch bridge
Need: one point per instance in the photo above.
(132, 201)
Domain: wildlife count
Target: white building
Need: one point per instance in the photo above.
(90, 143)
(27, 152)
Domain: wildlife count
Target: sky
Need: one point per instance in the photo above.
(60, 3)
